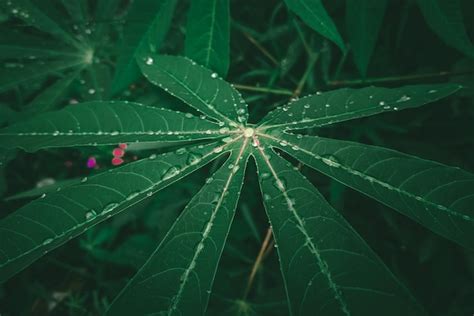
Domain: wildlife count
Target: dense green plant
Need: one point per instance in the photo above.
(327, 268)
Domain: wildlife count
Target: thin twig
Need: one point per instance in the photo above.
(261, 48)
(435, 75)
(257, 262)
(263, 89)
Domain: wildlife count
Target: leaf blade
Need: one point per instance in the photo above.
(347, 104)
(438, 197)
(364, 19)
(200, 233)
(313, 13)
(144, 17)
(52, 220)
(333, 271)
(207, 34)
(105, 123)
(446, 20)
(195, 85)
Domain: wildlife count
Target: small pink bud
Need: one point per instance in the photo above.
(118, 152)
(91, 162)
(117, 161)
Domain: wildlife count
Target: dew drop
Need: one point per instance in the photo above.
(47, 241)
(110, 207)
(214, 75)
(404, 98)
(265, 175)
(149, 61)
(91, 91)
(193, 158)
(267, 197)
(331, 161)
(224, 130)
(84, 179)
(171, 172)
(180, 151)
(90, 215)
(131, 196)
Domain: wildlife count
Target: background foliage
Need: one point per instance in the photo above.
(85, 50)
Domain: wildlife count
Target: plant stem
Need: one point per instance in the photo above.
(261, 48)
(313, 58)
(258, 262)
(435, 75)
(263, 89)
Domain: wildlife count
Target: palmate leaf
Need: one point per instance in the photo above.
(180, 284)
(207, 34)
(102, 123)
(363, 21)
(146, 19)
(445, 18)
(19, 73)
(327, 267)
(52, 220)
(29, 12)
(313, 13)
(439, 197)
(197, 86)
(346, 104)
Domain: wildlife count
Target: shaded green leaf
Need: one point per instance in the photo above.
(21, 73)
(48, 99)
(195, 85)
(53, 219)
(313, 13)
(445, 18)
(363, 21)
(102, 123)
(346, 104)
(179, 282)
(327, 267)
(437, 196)
(32, 15)
(45, 189)
(207, 34)
(146, 18)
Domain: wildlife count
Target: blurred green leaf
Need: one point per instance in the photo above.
(207, 34)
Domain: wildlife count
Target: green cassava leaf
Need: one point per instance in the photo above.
(144, 19)
(207, 34)
(178, 282)
(20, 73)
(29, 12)
(48, 99)
(111, 122)
(327, 267)
(45, 189)
(53, 219)
(313, 13)
(345, 104)
(437, 196)
(14, 45)
(363, 21)
(195, 85)
(445, 18)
